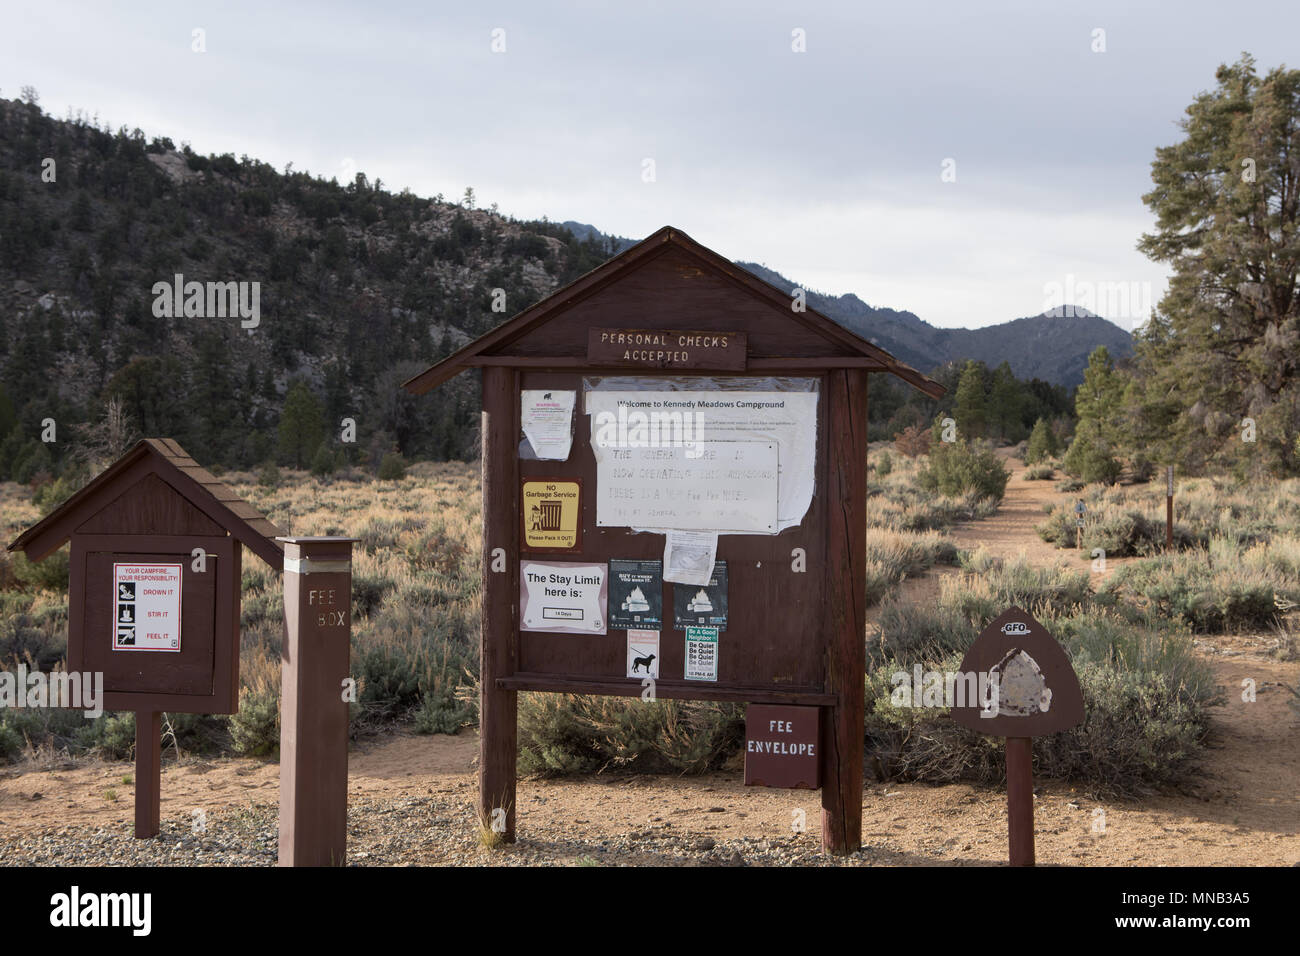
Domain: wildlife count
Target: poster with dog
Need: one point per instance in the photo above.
(642, 653)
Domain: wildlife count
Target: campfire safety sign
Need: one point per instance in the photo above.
(702, 606)
(147, 607)
(636, 594)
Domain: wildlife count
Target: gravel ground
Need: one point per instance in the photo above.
(437, 830)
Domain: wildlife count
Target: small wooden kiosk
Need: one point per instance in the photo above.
(655, 327)
(154, 591)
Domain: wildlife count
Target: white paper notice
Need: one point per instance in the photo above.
(688, 423)
(701, 653)
(147, 607)
(547, 418)
(689, 556)
(725, 486)
(563, 597)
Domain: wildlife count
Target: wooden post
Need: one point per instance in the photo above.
(148, 772)
(846, 546)
(313, 710)
(1169, 508)
(498, 714)
(1020, 801)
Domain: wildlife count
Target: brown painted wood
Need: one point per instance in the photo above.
(148, 773)
(1016, 629)
(667, 689)
(782, 747)
(315, 661)
(1020, 801)
(183, 477)
(150, 506)
(204, 677)
(765, 365)
(1169, 522)
(498, 654)
(666, 349)
(669, 270)
(775, 633)
(845, 648)
(676, 291)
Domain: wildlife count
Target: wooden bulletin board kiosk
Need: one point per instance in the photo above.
(154, 591)
(674, 489)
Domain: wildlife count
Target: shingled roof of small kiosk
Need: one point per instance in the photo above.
(829, 346)
(183, 475)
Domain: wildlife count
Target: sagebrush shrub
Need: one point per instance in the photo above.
(957, 468)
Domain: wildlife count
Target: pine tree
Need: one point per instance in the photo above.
(1042, 443)
(1091, 455)
(1225, 342)
(971, 409)
(301, 425)
(1006, 404)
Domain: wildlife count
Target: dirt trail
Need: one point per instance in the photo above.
(1242, 809)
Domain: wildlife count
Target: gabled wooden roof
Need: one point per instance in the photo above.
(513, 343)
(169, 462)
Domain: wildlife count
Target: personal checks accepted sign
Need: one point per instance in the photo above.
(147, 607)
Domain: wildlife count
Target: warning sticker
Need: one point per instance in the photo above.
(552, 511)
(147, 607)
(642, 653)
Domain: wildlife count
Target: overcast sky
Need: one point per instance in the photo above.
(825, 165)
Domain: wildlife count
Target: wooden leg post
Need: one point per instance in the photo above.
(842, 727)
(148, 772)
(1020, 801)
(498, 709)
(315, 663)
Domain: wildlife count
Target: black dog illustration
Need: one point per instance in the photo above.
(638, 661)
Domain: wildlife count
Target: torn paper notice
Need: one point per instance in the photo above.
(547, 419)
(628, 429)
(689, 556)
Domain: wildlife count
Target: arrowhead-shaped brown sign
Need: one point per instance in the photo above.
(1033, 688)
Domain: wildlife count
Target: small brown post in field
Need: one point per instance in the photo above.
(1020, 801)
(1032, 690)
(784, 619)
(314, 697)
(1169, 508)
(154, 576)
(148, 772)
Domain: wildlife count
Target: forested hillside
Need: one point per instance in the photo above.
(359, 288)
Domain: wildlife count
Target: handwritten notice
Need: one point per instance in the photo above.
(727, 486)
(689, 423)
